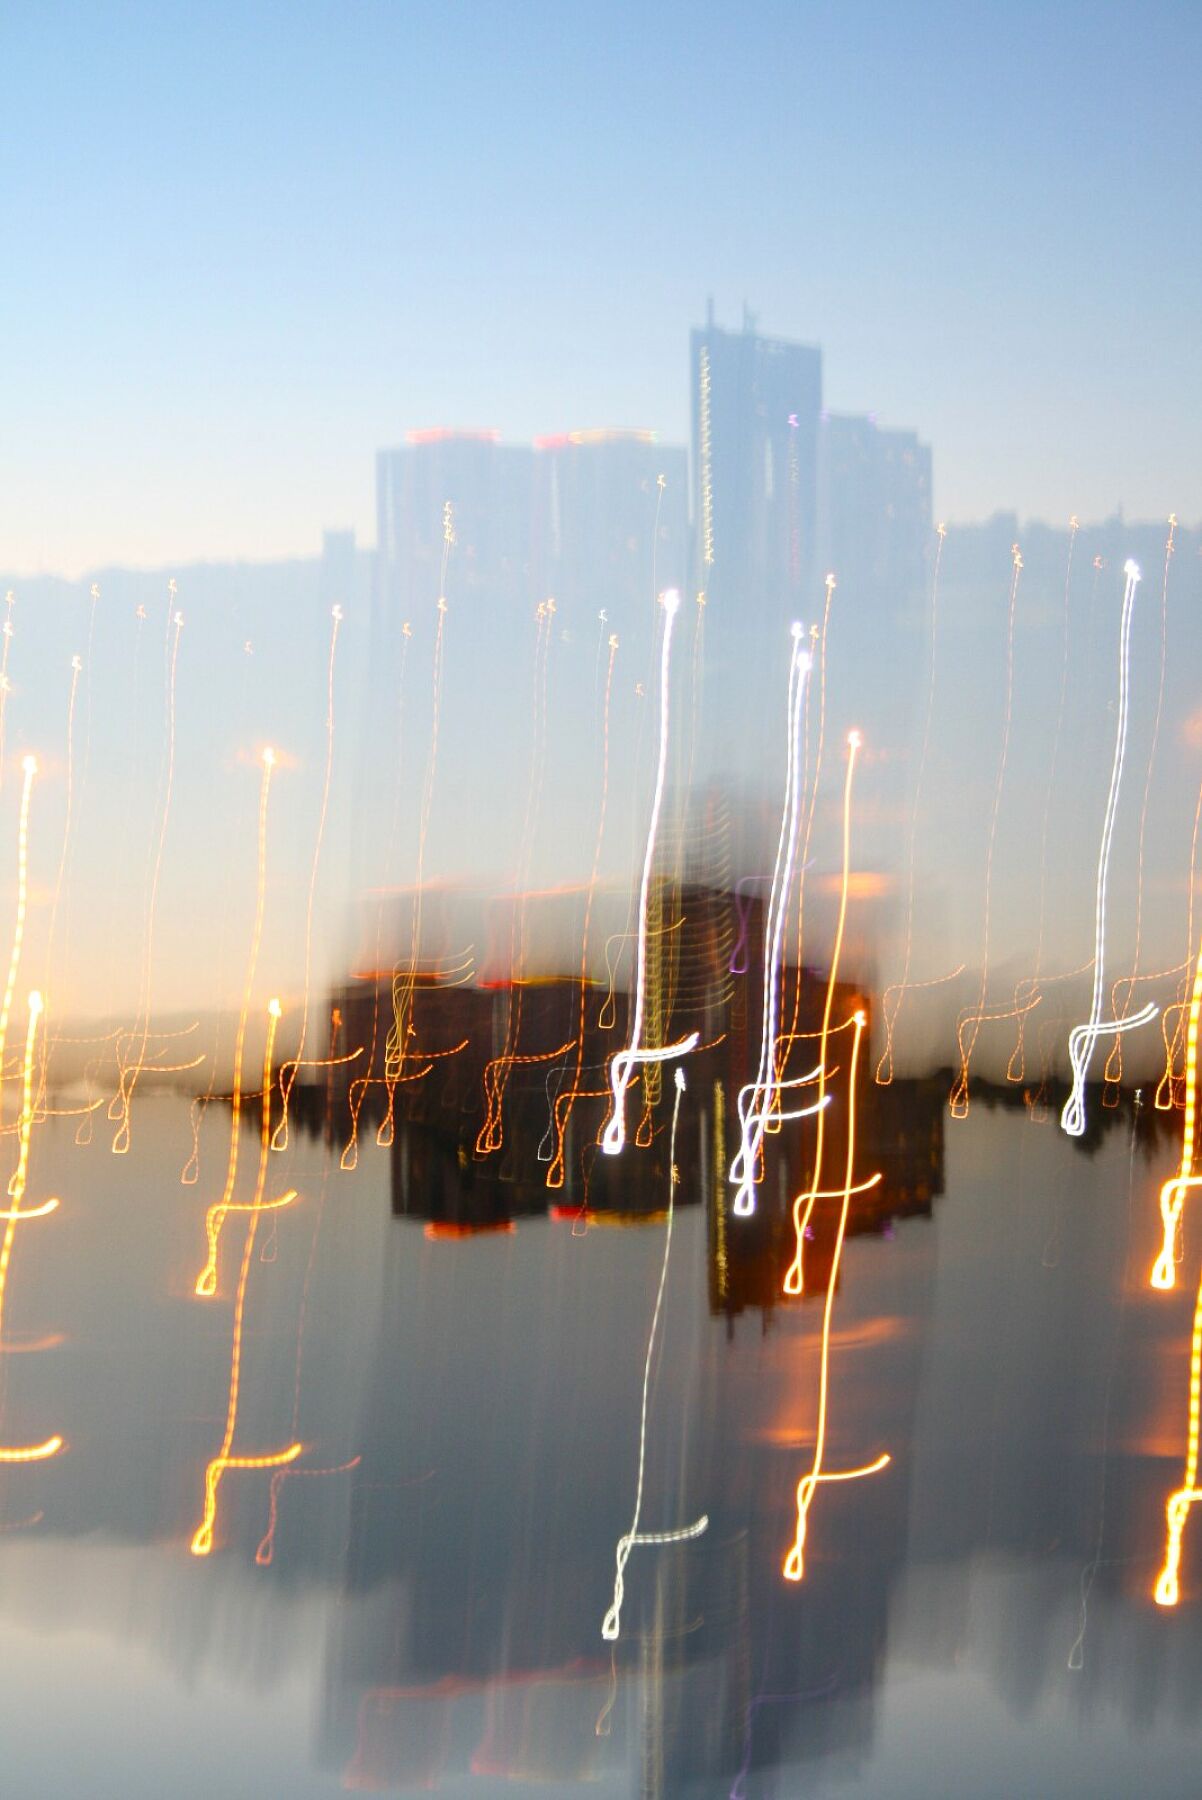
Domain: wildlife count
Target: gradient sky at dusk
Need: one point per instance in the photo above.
(248, 244)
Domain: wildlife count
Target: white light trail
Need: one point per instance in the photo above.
(756, 1102)
(611, 1624)
(622, 1066)
(1083, 1037)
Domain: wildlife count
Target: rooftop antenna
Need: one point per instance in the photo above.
(709, 312)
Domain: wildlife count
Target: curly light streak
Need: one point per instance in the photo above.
(24, 1453)
(884, 1067)
(1083, 1038)
(1165, 1096)
(202, 1540)
(611, 1624)
(280, 1140)
(757, 1102)
(624, 1061)
(794, 1564)
(124, 1098)
(206, 1281)
(803, 1205)
(561, 1114)
(496, 1074)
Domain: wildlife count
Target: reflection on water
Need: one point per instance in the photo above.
(417, 1601)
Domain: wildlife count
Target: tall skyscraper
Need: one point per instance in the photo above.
(756, 405)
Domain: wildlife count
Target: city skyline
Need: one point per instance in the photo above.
(242, 259)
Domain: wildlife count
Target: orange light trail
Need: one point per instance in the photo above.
(206, 1281)
(5, 684)
(803, 1205)
(76, 667)
(397, 1045)
(884, 1067)
(496, 1074)
(562, 1109)
(958, 1101)
(1173, 1192)
(24, 1453)
(123, 1100)
(349, 1158)
(1165, 1095)
(29, 765)
(288, 1072)
(266, 1550)
(794, 1564)
(202, 1541)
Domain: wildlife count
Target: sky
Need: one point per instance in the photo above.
(246, 245)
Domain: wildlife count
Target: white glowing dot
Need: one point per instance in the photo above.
(29, 764)
(274, 1008)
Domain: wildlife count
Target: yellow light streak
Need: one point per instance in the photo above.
(124, 1098)
(202, 1540)
(14, 1214)
(288, 1072)
(803, 1205)
(206, 1281)
(794, 1564)
(29, 765)
(1173, 1192)
(564, 1103)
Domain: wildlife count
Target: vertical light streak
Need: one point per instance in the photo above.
(1178, 1504)
(29, 765)
(756, 1105)
(5, 684)
(884, 1068)
(124, 1098)
(357, 1090)
(1083, 1038)
(206, 1281)
(803, 1205)
(1113, 1071)
(562, 1110)
(818, 635)
(1172, 1049)
(705, 434)
(1016, 1067)
(794, 1564)
(68, 818)
(497, 1071)
(958, 1101)
(202, 1540)
(623, 1062)
(611, 1624)
(287, 1079)
(1173, 1192)
(13, 1215)
(404, 978)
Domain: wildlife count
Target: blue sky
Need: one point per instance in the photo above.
(246, 245)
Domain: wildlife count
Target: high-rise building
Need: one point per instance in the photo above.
(756, 405)
(610, 521)
(874, 509)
